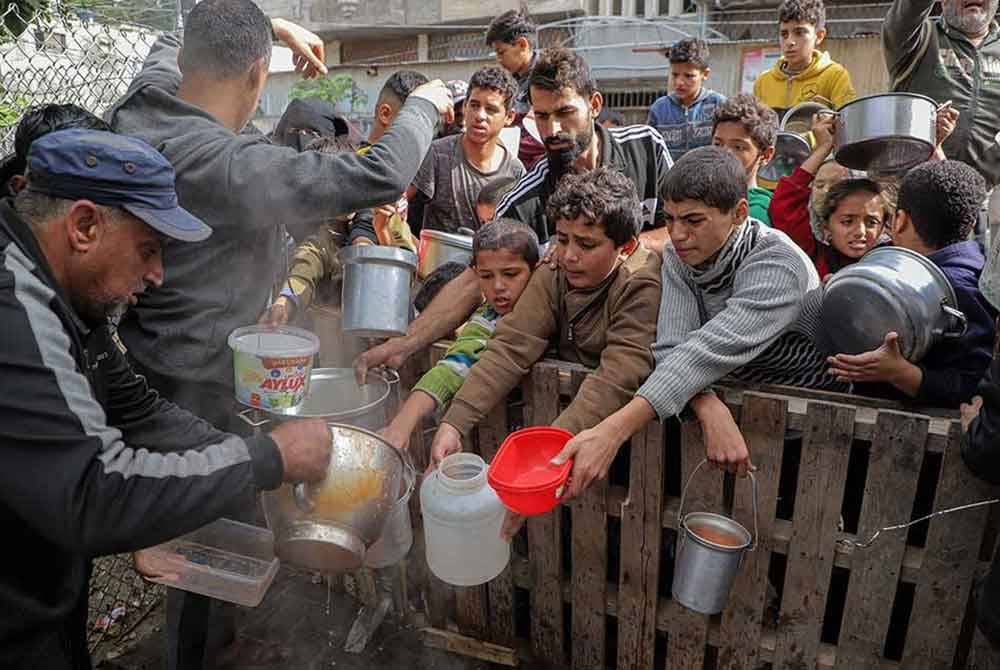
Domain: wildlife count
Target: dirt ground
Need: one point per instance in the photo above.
(292, 629)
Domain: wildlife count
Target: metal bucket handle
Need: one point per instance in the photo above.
(753, 486)
(961, 323)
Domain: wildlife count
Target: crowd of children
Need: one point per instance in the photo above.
(629, 215)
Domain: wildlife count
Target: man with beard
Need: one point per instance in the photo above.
(96, 462)
(953, 57)
(566, 105)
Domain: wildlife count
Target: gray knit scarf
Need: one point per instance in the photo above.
(717, 274)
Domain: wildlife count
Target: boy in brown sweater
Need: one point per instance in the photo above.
(598, 309)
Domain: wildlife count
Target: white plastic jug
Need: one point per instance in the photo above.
(462, 521)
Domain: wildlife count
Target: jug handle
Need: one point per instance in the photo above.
(753, 485)
(245, 416)
(302, 500)
(391, 376)
(961, 320)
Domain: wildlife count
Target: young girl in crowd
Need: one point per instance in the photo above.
(853, 219)
(503, 255)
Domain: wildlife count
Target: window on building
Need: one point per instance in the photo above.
(50, 41)
(664, 8)
(640, 7)
(616, 7)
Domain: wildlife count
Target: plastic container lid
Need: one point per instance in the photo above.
(280, 341)
(523, 462)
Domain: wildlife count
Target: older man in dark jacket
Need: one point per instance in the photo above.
(95, 462)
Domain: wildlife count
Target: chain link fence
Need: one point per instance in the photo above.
(65, 54)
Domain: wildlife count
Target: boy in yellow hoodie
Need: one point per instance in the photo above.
(803, 73)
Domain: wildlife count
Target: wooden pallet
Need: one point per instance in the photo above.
(902, 603)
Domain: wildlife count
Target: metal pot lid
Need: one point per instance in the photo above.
(798, 119)
(322, 547)
(891, 94)
(885, 156)
(334, 395)
(368, 253)
(452, 239)
(790, 151)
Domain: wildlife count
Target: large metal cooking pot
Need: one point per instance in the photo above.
(890, 289)
(328, 526)
(887, 133)
(376, 290)
(790, 151)
(335, 396)
(438, 247)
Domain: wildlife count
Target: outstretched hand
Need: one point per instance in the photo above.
(879, 365)
(308, 50)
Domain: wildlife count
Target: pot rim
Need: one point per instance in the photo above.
(453, 239)
(366, 253)
(690, 534)
(291, 413)
(890, 94)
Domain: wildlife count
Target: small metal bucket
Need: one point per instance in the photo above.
(376, 290)
(710, 550)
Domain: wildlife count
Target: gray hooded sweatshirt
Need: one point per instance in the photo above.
(247, 190)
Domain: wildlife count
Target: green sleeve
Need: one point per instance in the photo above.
(444, 380)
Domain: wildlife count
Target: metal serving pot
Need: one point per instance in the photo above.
(438, 247)
(376, 290)
(890, 289)
(886, 133)
(790, 151)
(335, 396)
(328, 526)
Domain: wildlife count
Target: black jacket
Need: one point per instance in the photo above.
(94, 461)
(638, 152)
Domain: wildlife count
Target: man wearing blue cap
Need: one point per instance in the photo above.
(95, 462)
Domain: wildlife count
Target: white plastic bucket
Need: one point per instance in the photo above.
(271, 366)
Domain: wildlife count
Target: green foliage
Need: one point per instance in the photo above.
(10, 112)
(19, 14)
(333, 89)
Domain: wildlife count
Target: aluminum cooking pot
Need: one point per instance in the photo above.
(790, 151)
(335, 396)
(376, 290)
(887, 133)
(329, 525)
(438, 247)
(890, 289)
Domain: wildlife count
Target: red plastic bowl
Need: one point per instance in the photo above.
(522, 473)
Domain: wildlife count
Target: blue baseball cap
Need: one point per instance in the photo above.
(116, 171)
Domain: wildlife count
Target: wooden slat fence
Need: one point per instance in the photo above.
(597, 571)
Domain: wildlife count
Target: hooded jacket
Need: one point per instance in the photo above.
(823, 78)
(927, 56)
(95, 462)
(247, 190)
(609, 327)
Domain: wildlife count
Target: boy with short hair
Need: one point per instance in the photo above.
(511, 35)
(734, 296)
(748, 129)
(803, 73)
(489, 197)
(457, 167)
(937, 209)
(598, 308)
(684, 117)
(504, 253)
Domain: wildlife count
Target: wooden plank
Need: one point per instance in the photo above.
(687, 635)
(467, 646)
(545, 535)
(640, 551)
(590, 568)
(471, 612)
(826, 448)
(946, 576)
(893, 470)
(763, 427)
(492, 432)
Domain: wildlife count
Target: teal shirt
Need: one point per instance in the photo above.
(760, 201)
